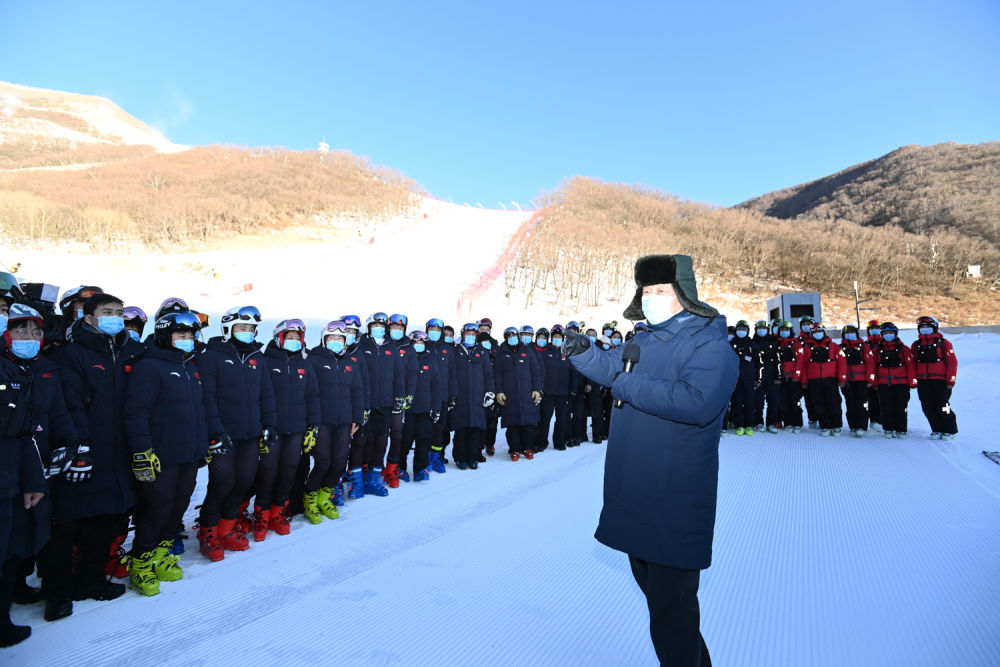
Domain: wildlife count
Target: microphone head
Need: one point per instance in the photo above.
(631, 353)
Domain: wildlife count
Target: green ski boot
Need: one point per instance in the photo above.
(166, 565)
(325, 504)
(309, 507)
(140, 570)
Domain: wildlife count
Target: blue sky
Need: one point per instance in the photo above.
(480, 102)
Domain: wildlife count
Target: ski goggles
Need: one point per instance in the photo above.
(401, 320)
(291, 325)
(351, 321)
(173, 303)
(435, 322)
(244, 314)
(134, 313)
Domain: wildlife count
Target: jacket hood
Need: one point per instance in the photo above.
(678, 271)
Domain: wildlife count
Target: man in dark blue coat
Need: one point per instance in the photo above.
(89, 503)
(519, 383)
(561, 380)
(474, 373)
(662, 464)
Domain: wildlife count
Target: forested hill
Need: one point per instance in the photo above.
(944, 187)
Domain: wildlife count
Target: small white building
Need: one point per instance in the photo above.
(793, 305)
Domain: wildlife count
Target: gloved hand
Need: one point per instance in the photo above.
(364, 417)
(61, 458)
(488, 399)
(309, 439)
(407, 401)
(536, 397)
(268, 437)
(451, 403)
(398, 405)
(219, 444)
(501, 398)
(145, 465)
(435, 416)
(82, 466)
(574, 343)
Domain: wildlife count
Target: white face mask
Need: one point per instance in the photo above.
(658, 308)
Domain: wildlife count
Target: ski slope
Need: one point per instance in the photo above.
(828, 552)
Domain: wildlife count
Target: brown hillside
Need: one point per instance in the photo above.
(586, 241)
(941, 188)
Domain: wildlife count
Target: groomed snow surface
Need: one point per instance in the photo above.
(827, 552)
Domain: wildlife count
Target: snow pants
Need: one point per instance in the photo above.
(579, 409)
(396, 424)
(826, 402)
(93, 534)
(856, 399)
(467, 444)
(791, 402)
(521, 438)
(417, 429)
(769, 391)
(874, 412)
(277, 470)
(329, 456)
(562, 431)
(229, 478)
(674, 613)
(893, 400)
(377, 438)
(164, 502)
(935, 400)
(742, 403)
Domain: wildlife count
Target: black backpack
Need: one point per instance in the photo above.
(929, 354)
(819, 354)
(890, 358)
(786, 353)
(853, 355)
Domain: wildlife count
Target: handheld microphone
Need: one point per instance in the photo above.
(630, 356)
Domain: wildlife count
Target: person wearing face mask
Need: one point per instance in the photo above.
(71, 307)
(669, 429)
(341, 398)
(135, 322)
(474, 375)
(519, 384)
(540, 349)
(489, 436)
(241, 416)
(860, 378)
(299, 420)
(356, 456)
(895, 375)
(93, 368)
(167, 436)
(404, 382)
(742, 407)
(38, 440)
(443, 352)
(770, 379)
(805, 333)
(561, 380)
(872, 343)
(428, 397)
(823, 368)
(789, 350)
(589, 402)
(937, 370)
(380, 358)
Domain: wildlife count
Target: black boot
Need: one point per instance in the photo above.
(56, 609)
(101, 590)
(11, 634)
(25, 594)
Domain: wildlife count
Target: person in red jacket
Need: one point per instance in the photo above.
(895, 375)
(823, 368)
(860, 379)
(937, 368)
(872, 342)
(791, 380)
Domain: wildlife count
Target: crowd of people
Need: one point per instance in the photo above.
(875, 373)
(106, 417)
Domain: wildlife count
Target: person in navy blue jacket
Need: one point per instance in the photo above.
(34, 424)
(404, 381)
(356, 456)
(519, 385)
(297, 405)
(167, 436)
(93, 498)
(474, 373)
(742, 401)
(341, 408)
(241, 417)
(444, 354)
(380, 358)
(561, 380)
(662, 461)
(425, 410)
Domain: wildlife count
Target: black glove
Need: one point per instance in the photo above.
(488, 399)
(268, 437)
(219, 444)
(435, 416)
(398, 405)
(451, 403)
(61, 458)
(364, 417)
(574, 343)
(407, 402)
(82, 466)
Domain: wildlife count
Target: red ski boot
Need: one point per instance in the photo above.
(117, 562)
(529, 454)
(229, 538)
(261, 519)
(515, 456)
(278, 521)
(391, 476)
(210, 547)
(245, 522)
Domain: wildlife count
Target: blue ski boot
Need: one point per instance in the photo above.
(338, 493)
(357, 484)
(373, 483)
(437, 463)
(403, 475)
(421, 475)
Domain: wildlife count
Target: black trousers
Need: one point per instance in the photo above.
(466, 444)
(276, 470)
(674, 614)
(164, 502)
(229, 479)
(826, 402)
(562, 431)
(93, 535)
(489, 437)
(579, 406)
(874, 412)
(856, 398)
(417, 429)
(893, 400)
(440, 436)
(521, 438)
(791, 402)
(935, 400)
(606, 402)
(356, 456)
(329, 457)
(597, 426)
(769, 391)
(741, 403)
(396, 424)
(377, 438)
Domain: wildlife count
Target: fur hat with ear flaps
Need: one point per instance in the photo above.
(678, 270)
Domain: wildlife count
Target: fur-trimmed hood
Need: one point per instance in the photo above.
(678, 270)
